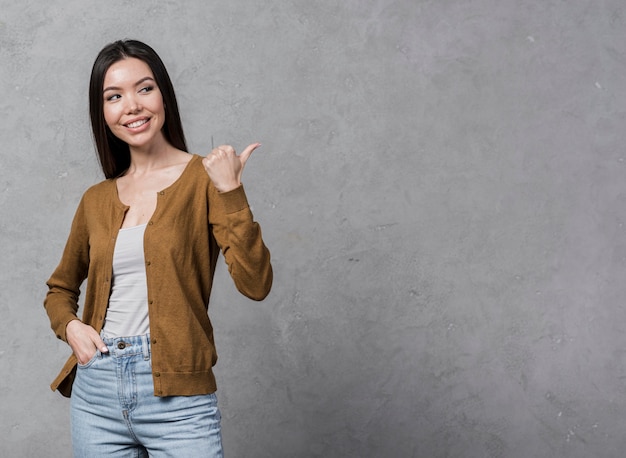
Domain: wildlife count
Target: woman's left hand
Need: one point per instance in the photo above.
(224, 167)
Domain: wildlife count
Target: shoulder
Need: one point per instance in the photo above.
(96, 196)
(100, 190)
(193, 183)
(195, 164)
(195, 172)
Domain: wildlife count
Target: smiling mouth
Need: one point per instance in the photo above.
(135, 124)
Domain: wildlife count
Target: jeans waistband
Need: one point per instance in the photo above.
(128, 346)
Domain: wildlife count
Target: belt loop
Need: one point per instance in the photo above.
(145, 338)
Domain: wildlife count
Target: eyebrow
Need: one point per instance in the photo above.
(115, 88)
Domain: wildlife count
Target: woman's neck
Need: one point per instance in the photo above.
(152, 157)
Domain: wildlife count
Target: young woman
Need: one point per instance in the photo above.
(147, 241)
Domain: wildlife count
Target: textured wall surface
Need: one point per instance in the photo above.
(441, 184)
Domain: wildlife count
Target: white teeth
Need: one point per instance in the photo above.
(135, 124)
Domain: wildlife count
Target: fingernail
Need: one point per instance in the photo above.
(104, 350)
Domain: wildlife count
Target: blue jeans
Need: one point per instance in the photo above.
(114, 412)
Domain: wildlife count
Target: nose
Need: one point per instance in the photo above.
(132, 106)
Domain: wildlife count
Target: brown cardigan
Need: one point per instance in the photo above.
(190, 225)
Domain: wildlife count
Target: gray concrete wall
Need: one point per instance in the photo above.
(441, 185)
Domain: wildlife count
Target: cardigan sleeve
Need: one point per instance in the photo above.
(239, 238)
(61, 302)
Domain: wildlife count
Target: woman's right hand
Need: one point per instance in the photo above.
(84, 341)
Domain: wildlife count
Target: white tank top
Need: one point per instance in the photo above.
(127, 314)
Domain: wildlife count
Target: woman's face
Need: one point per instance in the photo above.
(133, 104)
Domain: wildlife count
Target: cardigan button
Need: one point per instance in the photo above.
(157, 374)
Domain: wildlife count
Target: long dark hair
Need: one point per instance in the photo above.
(114, 153)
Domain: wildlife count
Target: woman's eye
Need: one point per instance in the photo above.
(110, 98)
(146, 89)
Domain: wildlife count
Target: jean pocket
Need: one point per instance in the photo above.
(93, 359)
